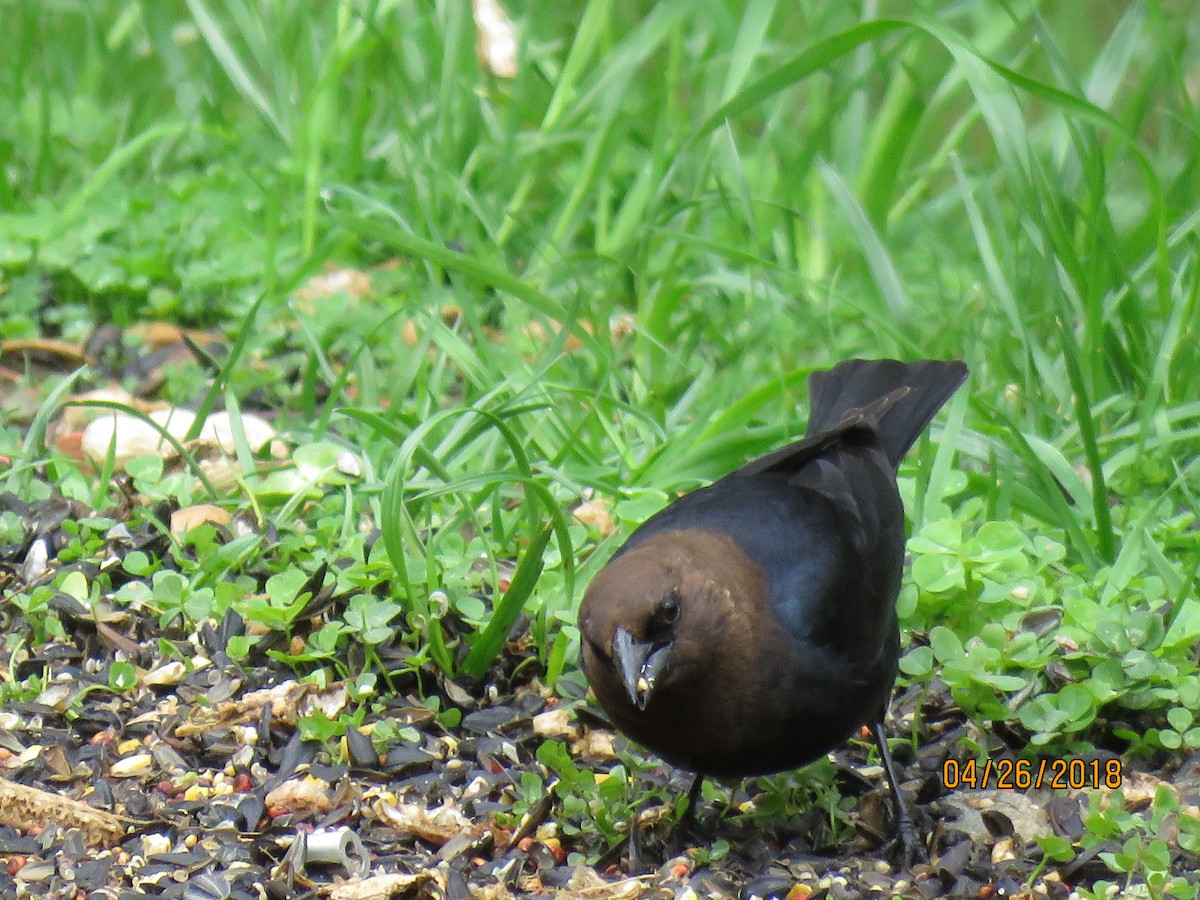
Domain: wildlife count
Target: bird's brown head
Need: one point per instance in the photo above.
(657, 617)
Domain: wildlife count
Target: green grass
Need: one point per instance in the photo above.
(758, 189)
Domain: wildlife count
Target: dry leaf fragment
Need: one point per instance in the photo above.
(435, 826)
(289, 702)
(621, 326)
(380, 887)
(307, 796)
(586, 884)
(594, 514)
(61, 354)
(334, 282)
(1138, 790)
(555, 723)
(500, 891)
(184, 520)
(411, 336)
(495, 38)
(542, 333)
(595, 745)
(158, 335)
(25, 808)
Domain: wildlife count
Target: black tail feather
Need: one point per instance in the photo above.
(857, 383)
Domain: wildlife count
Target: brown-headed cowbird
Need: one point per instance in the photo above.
(750, 627)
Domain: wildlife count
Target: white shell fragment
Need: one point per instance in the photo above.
(218, 429)
(495, 38)
(137, 764)
(167, 674)
(348, 464)
(215, 450)
(130, 437)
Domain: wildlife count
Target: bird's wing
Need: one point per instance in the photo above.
(860, 425)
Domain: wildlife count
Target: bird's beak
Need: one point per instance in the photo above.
(640, 665)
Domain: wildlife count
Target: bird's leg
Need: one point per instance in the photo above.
(910, 848)
(636, 857)
(676, 841)
(689, 816)
(688, 826)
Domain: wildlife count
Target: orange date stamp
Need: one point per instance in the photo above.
(1031, 774)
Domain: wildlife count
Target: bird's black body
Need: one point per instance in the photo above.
(750, 626)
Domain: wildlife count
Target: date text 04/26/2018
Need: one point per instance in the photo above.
(1030, 774)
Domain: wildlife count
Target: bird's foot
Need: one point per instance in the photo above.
(687, 831)
(906, 848)
(643, 860)
(637, 855)
(686, 834)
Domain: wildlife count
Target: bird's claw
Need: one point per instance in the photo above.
(906, 847)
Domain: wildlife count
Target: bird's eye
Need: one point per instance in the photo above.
(668, 609)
